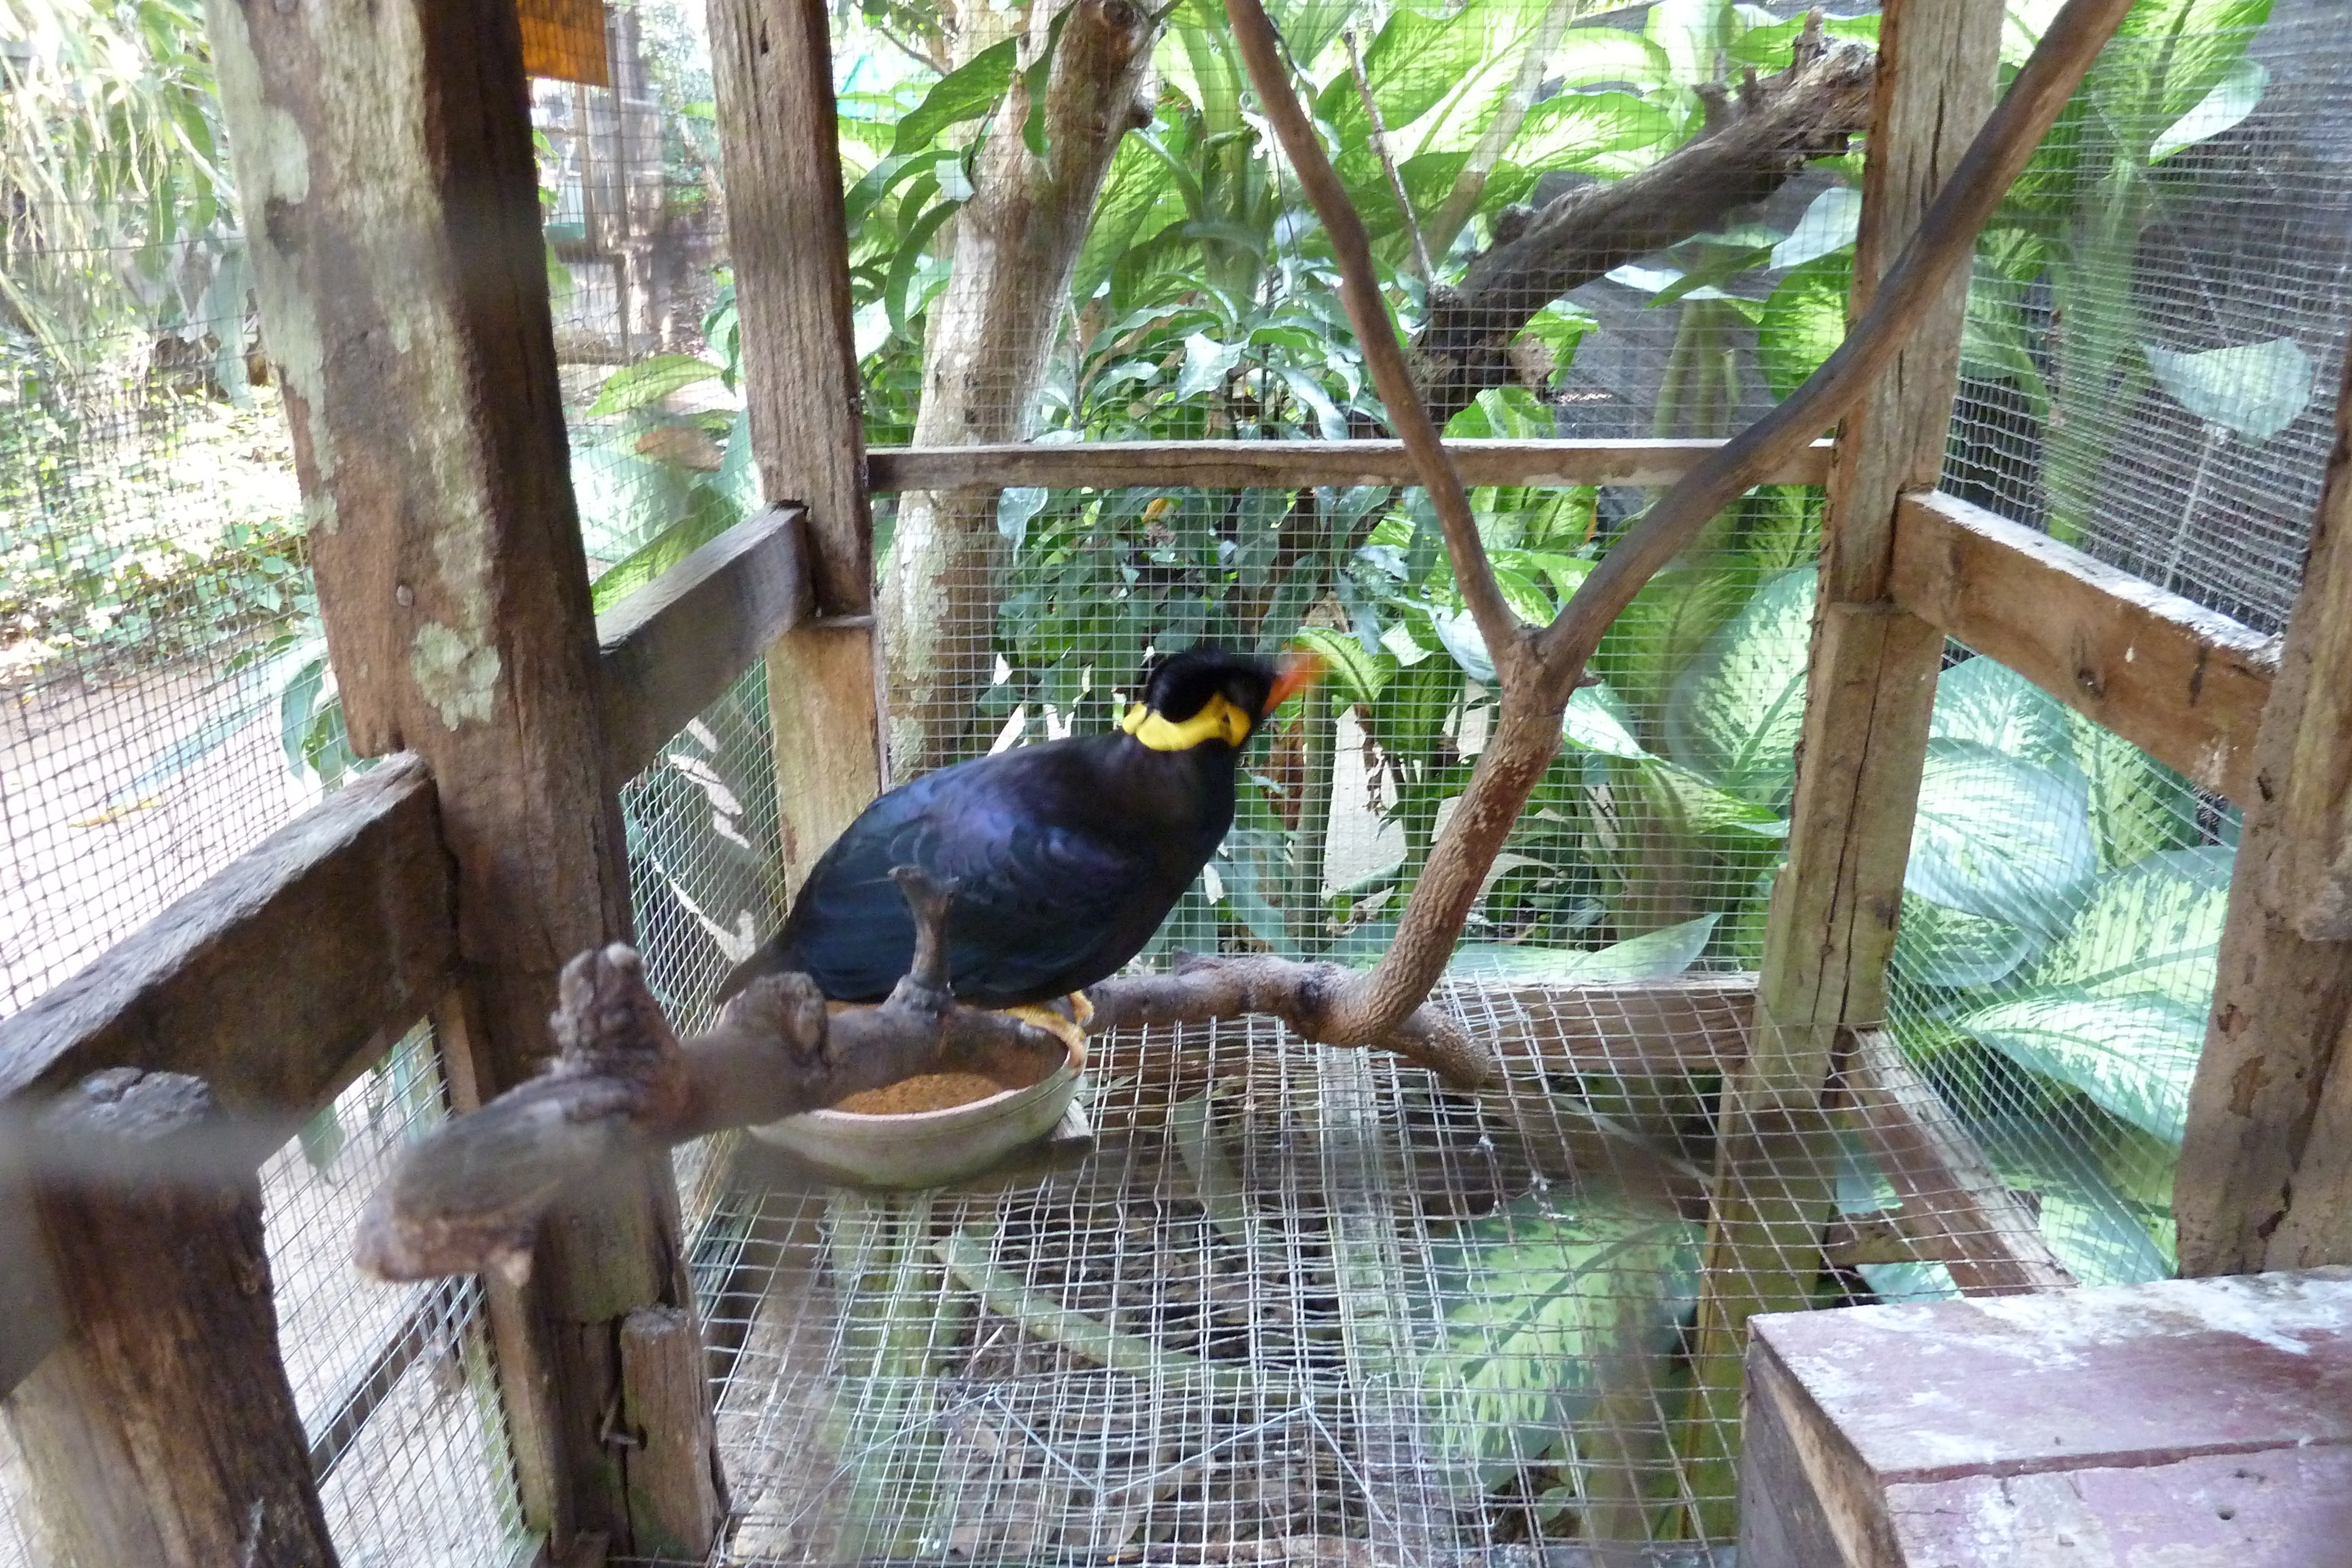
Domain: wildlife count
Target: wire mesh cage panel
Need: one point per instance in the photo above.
(1297, 1302)
(2155, 321)
(394, 1384)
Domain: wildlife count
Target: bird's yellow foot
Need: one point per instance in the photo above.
(1069, 1028)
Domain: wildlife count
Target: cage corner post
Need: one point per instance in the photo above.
(2265, 1172)
(384, 158)
(789, 238)
(1869, 689)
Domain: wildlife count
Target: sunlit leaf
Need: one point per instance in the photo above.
(2001, 837)
(2135, 1055)
(1653, 956)
(1735, 714)
(2255, 389)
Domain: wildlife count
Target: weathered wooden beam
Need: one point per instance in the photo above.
(2180, 682)
(274, 977)
(1295, 464)
(386, 153)
(671, 649)
(1955, 1206)
(788, 236)
(2184, 1420)
(163, 1430)
(2265, 1176)
(353, 897)
(1871, 685)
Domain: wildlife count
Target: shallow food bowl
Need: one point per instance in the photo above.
(915, 1149)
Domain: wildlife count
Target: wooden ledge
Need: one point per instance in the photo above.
(2181, 681)
(1294, 465)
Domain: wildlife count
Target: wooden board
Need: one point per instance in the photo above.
(563, 40)
(2180, 682)
(2265, 1177)
(1292, 465)
(1871, 685)
(353, 896)
(788, 237)
(401, 275)
(1954, 1205)
(673, 648)
(2189, 1420)
(163, 1431)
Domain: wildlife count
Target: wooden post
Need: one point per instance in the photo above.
(771, 61)
(163, 1429)
(2266, 1176)
(384, 162)
(1871, 685)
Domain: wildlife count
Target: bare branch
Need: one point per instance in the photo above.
(470, 1196)
(1388, 160)
(1359, 290)
(1526, 731)
(1302, 996)
(1943, 244)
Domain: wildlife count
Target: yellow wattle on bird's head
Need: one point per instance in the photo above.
(1217, 720)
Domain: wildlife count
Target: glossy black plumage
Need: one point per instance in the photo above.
(1066, 856)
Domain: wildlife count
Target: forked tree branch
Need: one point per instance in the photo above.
(1539, 672)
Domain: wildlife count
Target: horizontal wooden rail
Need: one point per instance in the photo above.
(1294, 465)
(2182, 683)
(277, 980)
(1955, 1209)
(673, 648)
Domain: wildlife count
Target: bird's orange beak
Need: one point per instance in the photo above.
(1299, 671)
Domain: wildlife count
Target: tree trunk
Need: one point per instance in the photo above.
(991, 334)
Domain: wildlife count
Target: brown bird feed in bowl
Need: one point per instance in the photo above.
(926, 1091)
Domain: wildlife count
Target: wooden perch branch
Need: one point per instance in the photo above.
(470, 1196)
(1539, 672)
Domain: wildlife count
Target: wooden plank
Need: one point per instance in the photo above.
(353, 897)
(2118, 1426)
(403, 284)
(2266, 1176)
(1292, 464)
(2180, 682)
(163, 1431)
(1683, 1027)
(772, 65)
(1871, 684)
(671, 649)
(674, 1496)
(1954, 1206)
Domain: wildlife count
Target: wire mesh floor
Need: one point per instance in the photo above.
(1296, 1305)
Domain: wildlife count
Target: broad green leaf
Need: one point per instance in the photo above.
(2139, 806)
(1770, 48)
(1574, 130)
(1984, 701)
(1591, 57)
(1734, 715)
(2255, 389)
(635, 386)
(1596, 720)
(965, 93)
(1656, 955)
(1803, 321)
(664, 551)
(2001, 837)
(1206, 363)
(1412, 66)
(2233, 99)
(1829, 224)
(1357, 675)
(2096, 1229)
(624, 499)
(1016, 504)
(1936, 946)
(2134, 1055)
(1539, 1307)
(2154, 927)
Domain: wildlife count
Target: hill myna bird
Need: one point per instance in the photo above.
(1065, 856)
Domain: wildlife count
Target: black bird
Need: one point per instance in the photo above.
(1066, 856)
